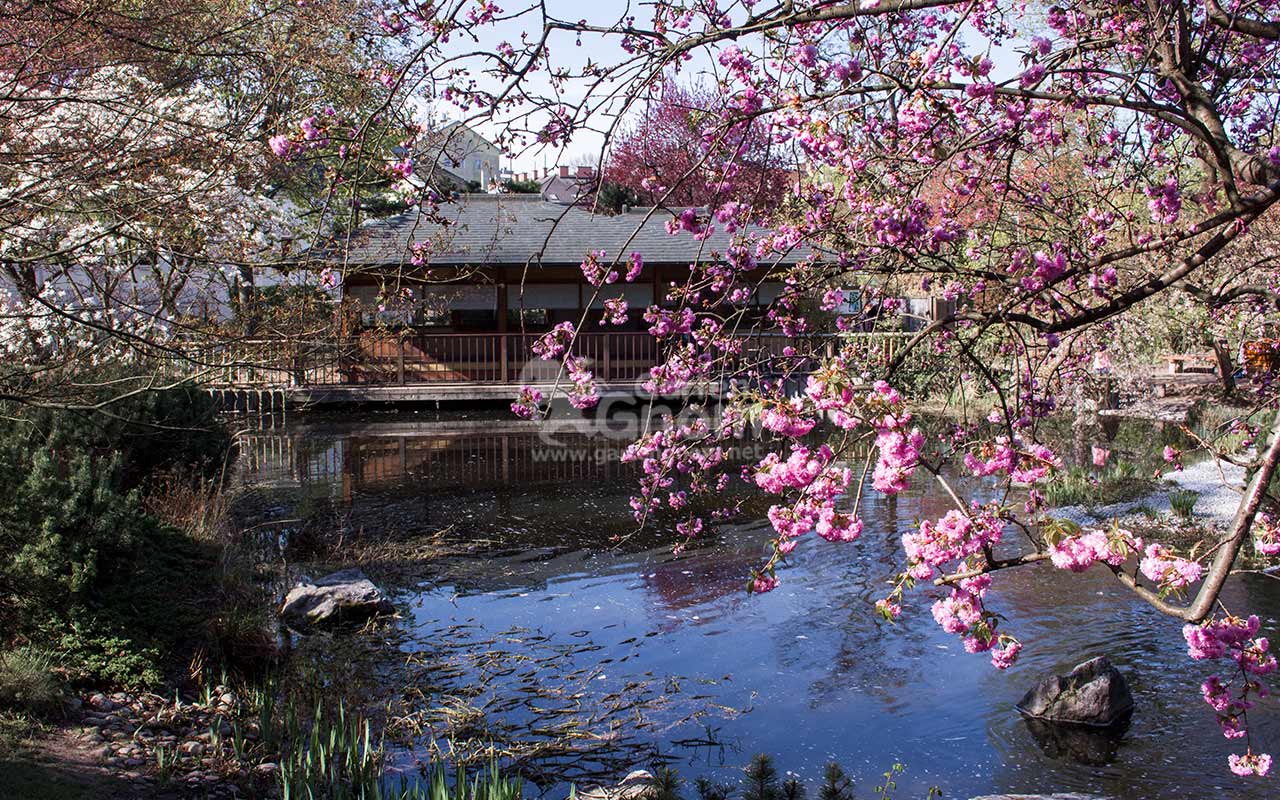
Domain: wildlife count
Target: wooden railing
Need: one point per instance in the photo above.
(455, 358)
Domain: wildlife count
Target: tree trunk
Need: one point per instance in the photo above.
(246, 297)
(1226, 370)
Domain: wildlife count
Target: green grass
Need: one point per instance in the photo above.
(1077, 486)
(28, 681)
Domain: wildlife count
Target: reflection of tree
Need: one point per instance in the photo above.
(708, 571)
(860, 650)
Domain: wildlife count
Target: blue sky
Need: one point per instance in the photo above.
(566, 52)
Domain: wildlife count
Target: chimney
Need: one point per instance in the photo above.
(586, 172)
(564, 172)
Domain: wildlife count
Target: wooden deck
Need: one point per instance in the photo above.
(269, 375)
(278, 399)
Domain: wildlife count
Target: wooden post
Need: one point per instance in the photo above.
(502, 334)
(502, 358)
(400, 358)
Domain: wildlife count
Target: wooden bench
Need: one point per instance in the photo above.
(1190, 362)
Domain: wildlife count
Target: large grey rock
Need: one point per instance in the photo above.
(347, 596)
(1094, 693)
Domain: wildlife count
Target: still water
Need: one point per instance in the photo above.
(548, 594)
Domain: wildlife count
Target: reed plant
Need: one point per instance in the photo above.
(333, 754)
(1183, 503)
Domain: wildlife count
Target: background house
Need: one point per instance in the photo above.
(465, 156)
(513, 262)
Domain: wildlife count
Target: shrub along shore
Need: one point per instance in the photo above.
(139, 627)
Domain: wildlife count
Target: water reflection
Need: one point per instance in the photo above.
(1080, 744)
(553, 551)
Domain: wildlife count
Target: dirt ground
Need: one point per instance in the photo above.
(56, 764)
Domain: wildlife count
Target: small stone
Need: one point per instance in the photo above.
(266, 770)
(101, 702)
(192, 748)
(227, 699)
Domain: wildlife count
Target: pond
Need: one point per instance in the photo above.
(559, 619)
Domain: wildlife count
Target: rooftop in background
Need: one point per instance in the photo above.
(518, 229)
(568, 185)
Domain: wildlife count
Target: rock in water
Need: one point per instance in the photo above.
(345, 596)
(635, 786)
(1094, 693)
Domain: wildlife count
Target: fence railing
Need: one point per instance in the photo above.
(378, 358)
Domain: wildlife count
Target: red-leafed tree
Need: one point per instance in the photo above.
(677, 152)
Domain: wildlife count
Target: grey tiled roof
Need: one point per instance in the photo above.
(523, 228)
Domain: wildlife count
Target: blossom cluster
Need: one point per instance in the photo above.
(583, 393)
(963, 613)
(1079, 552)
(528, 404)
(555, 342)
(898, 446)
(820, 483)
(955, 537)
(787, 419)
(1023, 463)
(1266, 535)
(1170, 571)
(1234, 639)
(595, 272)
(692, 451)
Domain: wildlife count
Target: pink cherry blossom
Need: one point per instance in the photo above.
(1250, 764)
(1170, 571)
